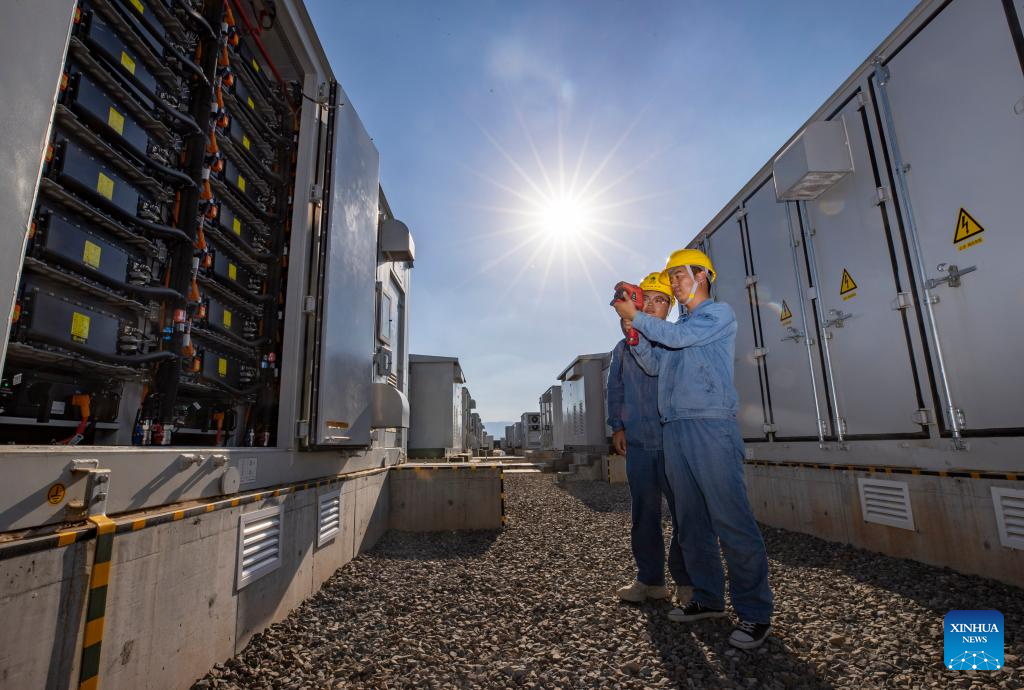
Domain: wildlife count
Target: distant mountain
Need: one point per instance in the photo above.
(497, 429)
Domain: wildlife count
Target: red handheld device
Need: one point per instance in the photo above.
(628, 291)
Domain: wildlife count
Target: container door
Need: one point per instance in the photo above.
(778, 296)
(725, 247)
(957, 95)
(343, 367)
(868, 339)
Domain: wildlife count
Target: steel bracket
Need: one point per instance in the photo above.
(97, 486)
(904, 300)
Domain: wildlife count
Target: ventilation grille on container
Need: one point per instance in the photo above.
(886, 502)
(1009, 505)
(259, 543)
(329, 517)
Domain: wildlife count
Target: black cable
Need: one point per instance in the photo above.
(197, 18)
(237, 339)
(106, 356)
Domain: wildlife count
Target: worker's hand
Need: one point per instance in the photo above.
(625, 309)
(619, 442)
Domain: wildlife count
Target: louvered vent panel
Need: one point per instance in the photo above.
(886, 502)
(1009, 507)
(259, 543)
(329, 517)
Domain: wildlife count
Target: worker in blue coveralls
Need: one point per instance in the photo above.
(636, 433)
(704, 450)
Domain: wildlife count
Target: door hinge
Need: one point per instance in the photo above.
(751, 280)
(768, 428)
(881, 195)
(741, 212)
(922, 416)
(316, 194)
(760, 352)
(301, 428)
(309, 304)
(904, 300)
(861, 100)
(812, 293)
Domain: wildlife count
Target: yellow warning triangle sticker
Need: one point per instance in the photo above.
(786, 313)
(966, 227)
(848, 284)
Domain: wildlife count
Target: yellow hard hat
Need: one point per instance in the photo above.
(689, 257)
(655, 282)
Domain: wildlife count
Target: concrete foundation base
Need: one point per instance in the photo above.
(428, 498)
(173, 609)
(614, 469)
(954, 519)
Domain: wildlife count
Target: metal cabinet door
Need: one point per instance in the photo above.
(870, 351)
(725, 247)
(344, 355)
(957, 96)
(790, 384)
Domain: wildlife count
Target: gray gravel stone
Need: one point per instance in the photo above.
(532, 606)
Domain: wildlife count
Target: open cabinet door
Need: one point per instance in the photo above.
(345, 282)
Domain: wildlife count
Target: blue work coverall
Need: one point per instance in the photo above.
(704, 454)
(633, 407)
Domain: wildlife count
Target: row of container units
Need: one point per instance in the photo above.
(873, 268)
(442, 417)
(573, 414)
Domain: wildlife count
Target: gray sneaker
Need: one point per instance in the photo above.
(638, 592)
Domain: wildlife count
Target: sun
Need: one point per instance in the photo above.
(564, 219)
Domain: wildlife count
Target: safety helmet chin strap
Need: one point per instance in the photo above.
(693, 287)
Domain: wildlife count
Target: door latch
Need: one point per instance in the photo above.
(953, 273)
(837, 317)
(794, 335)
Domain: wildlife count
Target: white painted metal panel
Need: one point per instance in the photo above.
(726, 251)
(778, 302)
(953, 90)
(869, 346)
(348, 330)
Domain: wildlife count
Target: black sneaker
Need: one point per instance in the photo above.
(747, 635)
(694, 612)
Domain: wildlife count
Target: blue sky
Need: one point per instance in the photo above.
(656, 112)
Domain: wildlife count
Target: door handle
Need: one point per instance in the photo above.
(836, 318)
(794, 335)
(953, 273)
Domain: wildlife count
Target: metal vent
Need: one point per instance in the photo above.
(259, 543)
(1009, 506)
(886, 502)
(329, 517)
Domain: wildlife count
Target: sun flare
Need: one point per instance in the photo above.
(564, 219)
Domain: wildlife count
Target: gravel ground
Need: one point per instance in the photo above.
(532, 606)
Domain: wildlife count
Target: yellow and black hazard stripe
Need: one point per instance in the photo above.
(887, 469)
(67, 537)
(96, 606)
(504, 511)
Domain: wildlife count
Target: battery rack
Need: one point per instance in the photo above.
(151, 300)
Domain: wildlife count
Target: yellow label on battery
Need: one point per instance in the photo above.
(222, 366)
(115, 120)
(127, 62)
(255, 65)
(232, 271)
(91, 254)
(79, 327)
(105, 186)
(138, 6)
(227, 318)
(236, 226)
(246, 143)
(252, 104)
(241, 183)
